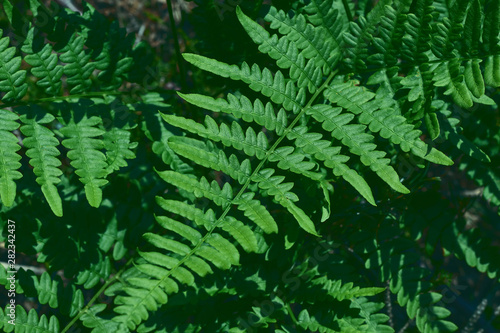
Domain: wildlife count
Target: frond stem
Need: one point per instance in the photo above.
(290, 313)
(347, 10)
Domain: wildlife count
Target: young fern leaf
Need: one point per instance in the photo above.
(86, 158)
(9, 159)
(42, 151)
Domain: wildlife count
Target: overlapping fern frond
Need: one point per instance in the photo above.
(64, 56)
(344, 92)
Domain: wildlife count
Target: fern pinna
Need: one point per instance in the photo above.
(350, 91)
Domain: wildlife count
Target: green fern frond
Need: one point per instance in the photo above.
(45, 66)
(275, 87)
(286, 54)
(380, 118)
(98, 325)
(78, 67)
(306, 37)
(88, 160)
(68, 299)
(42, 151)
(118, 148)
(28, 322)
(12, 77)
(9, 159)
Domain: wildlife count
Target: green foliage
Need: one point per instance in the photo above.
(297, 192)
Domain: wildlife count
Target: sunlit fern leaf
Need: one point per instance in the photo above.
(9, 159)
(242, 107)
(379, 118)
(12, 77)
(275, 87)
(86, 158)
(252, 208)
(42, 151)
(359, 142)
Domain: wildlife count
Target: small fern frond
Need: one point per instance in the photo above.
(42, 151)
(27, 322)
(9, 159)
(86, 158)
(45, 67)
(118, 148)
(99, 325)
(12, 77)
(358, 141)
(222, 197)
(78, 68)
(241, 107)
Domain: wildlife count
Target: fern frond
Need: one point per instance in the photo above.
(28, 322)
(384, 120)
(251, 143)
(222, 197)
(492, 71)
(44, 66)
(286, 54)
(276, 88)
(42, 151)
(78, 67)
(358, 141)
(306, 37)
(9, 159)
(99, 325)
(241, 107)
(68, 299)
(89, 162)
(405, 278)
(118, 148)
(327, 14)
(12, 77)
